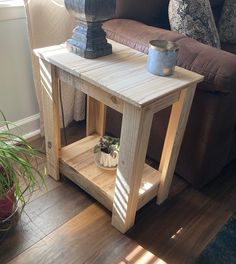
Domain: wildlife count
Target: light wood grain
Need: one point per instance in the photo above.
(113, 101)
(101, 96)
(49, 84)
(163, 102)
(122, 82)
(122, 74)
(77, 163)
(91, 90)
(96, 117)
(87, 238)
(175, 131)
(136, 125)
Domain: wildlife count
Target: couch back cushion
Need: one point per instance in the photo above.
(216, 3)
(216, 6)
(155, 12)
(150, 12)
(194, 18)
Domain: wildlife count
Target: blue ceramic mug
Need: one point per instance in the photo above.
(162, 57)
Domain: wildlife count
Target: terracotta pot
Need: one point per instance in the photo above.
(89, 39)
(7, 203)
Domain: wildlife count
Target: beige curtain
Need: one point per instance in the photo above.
(49, 23)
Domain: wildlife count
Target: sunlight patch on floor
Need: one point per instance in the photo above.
(177, 233)
(141, 256)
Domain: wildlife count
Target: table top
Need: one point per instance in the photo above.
(122, 74)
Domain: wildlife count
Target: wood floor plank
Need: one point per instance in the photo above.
(175, 232)
(84, 239)
(41, 189)
(67, 226)
(42, 216)
(182, 227)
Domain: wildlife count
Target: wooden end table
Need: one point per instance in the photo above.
(121, 82)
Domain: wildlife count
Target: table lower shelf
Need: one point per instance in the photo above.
(77, 163)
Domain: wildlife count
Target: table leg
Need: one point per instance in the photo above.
(96, 117)
(177, 123)
(135, 131)
(50, 103)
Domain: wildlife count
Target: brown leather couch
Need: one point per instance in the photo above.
(210, 139)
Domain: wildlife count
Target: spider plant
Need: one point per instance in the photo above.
(19, 173)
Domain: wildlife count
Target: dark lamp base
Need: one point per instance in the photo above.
(86, 52)
(89, 41)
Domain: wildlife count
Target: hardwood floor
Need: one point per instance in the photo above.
(66, 225)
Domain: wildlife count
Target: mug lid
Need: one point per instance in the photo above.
(163, 45)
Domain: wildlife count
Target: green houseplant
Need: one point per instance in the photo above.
(107, 152)
(19, 173)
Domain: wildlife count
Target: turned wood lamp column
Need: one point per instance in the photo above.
(89, 39)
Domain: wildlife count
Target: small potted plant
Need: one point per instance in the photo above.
(107, 152)
(19, 174)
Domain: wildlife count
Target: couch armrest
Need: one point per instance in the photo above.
(218, 66)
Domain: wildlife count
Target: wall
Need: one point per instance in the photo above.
(17, 93)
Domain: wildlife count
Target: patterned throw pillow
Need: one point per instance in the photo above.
(194, 19)
(227, 25)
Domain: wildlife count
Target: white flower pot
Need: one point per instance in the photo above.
(106, 160)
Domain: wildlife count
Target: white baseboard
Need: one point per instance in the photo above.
(32, 135)
(28, 127)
